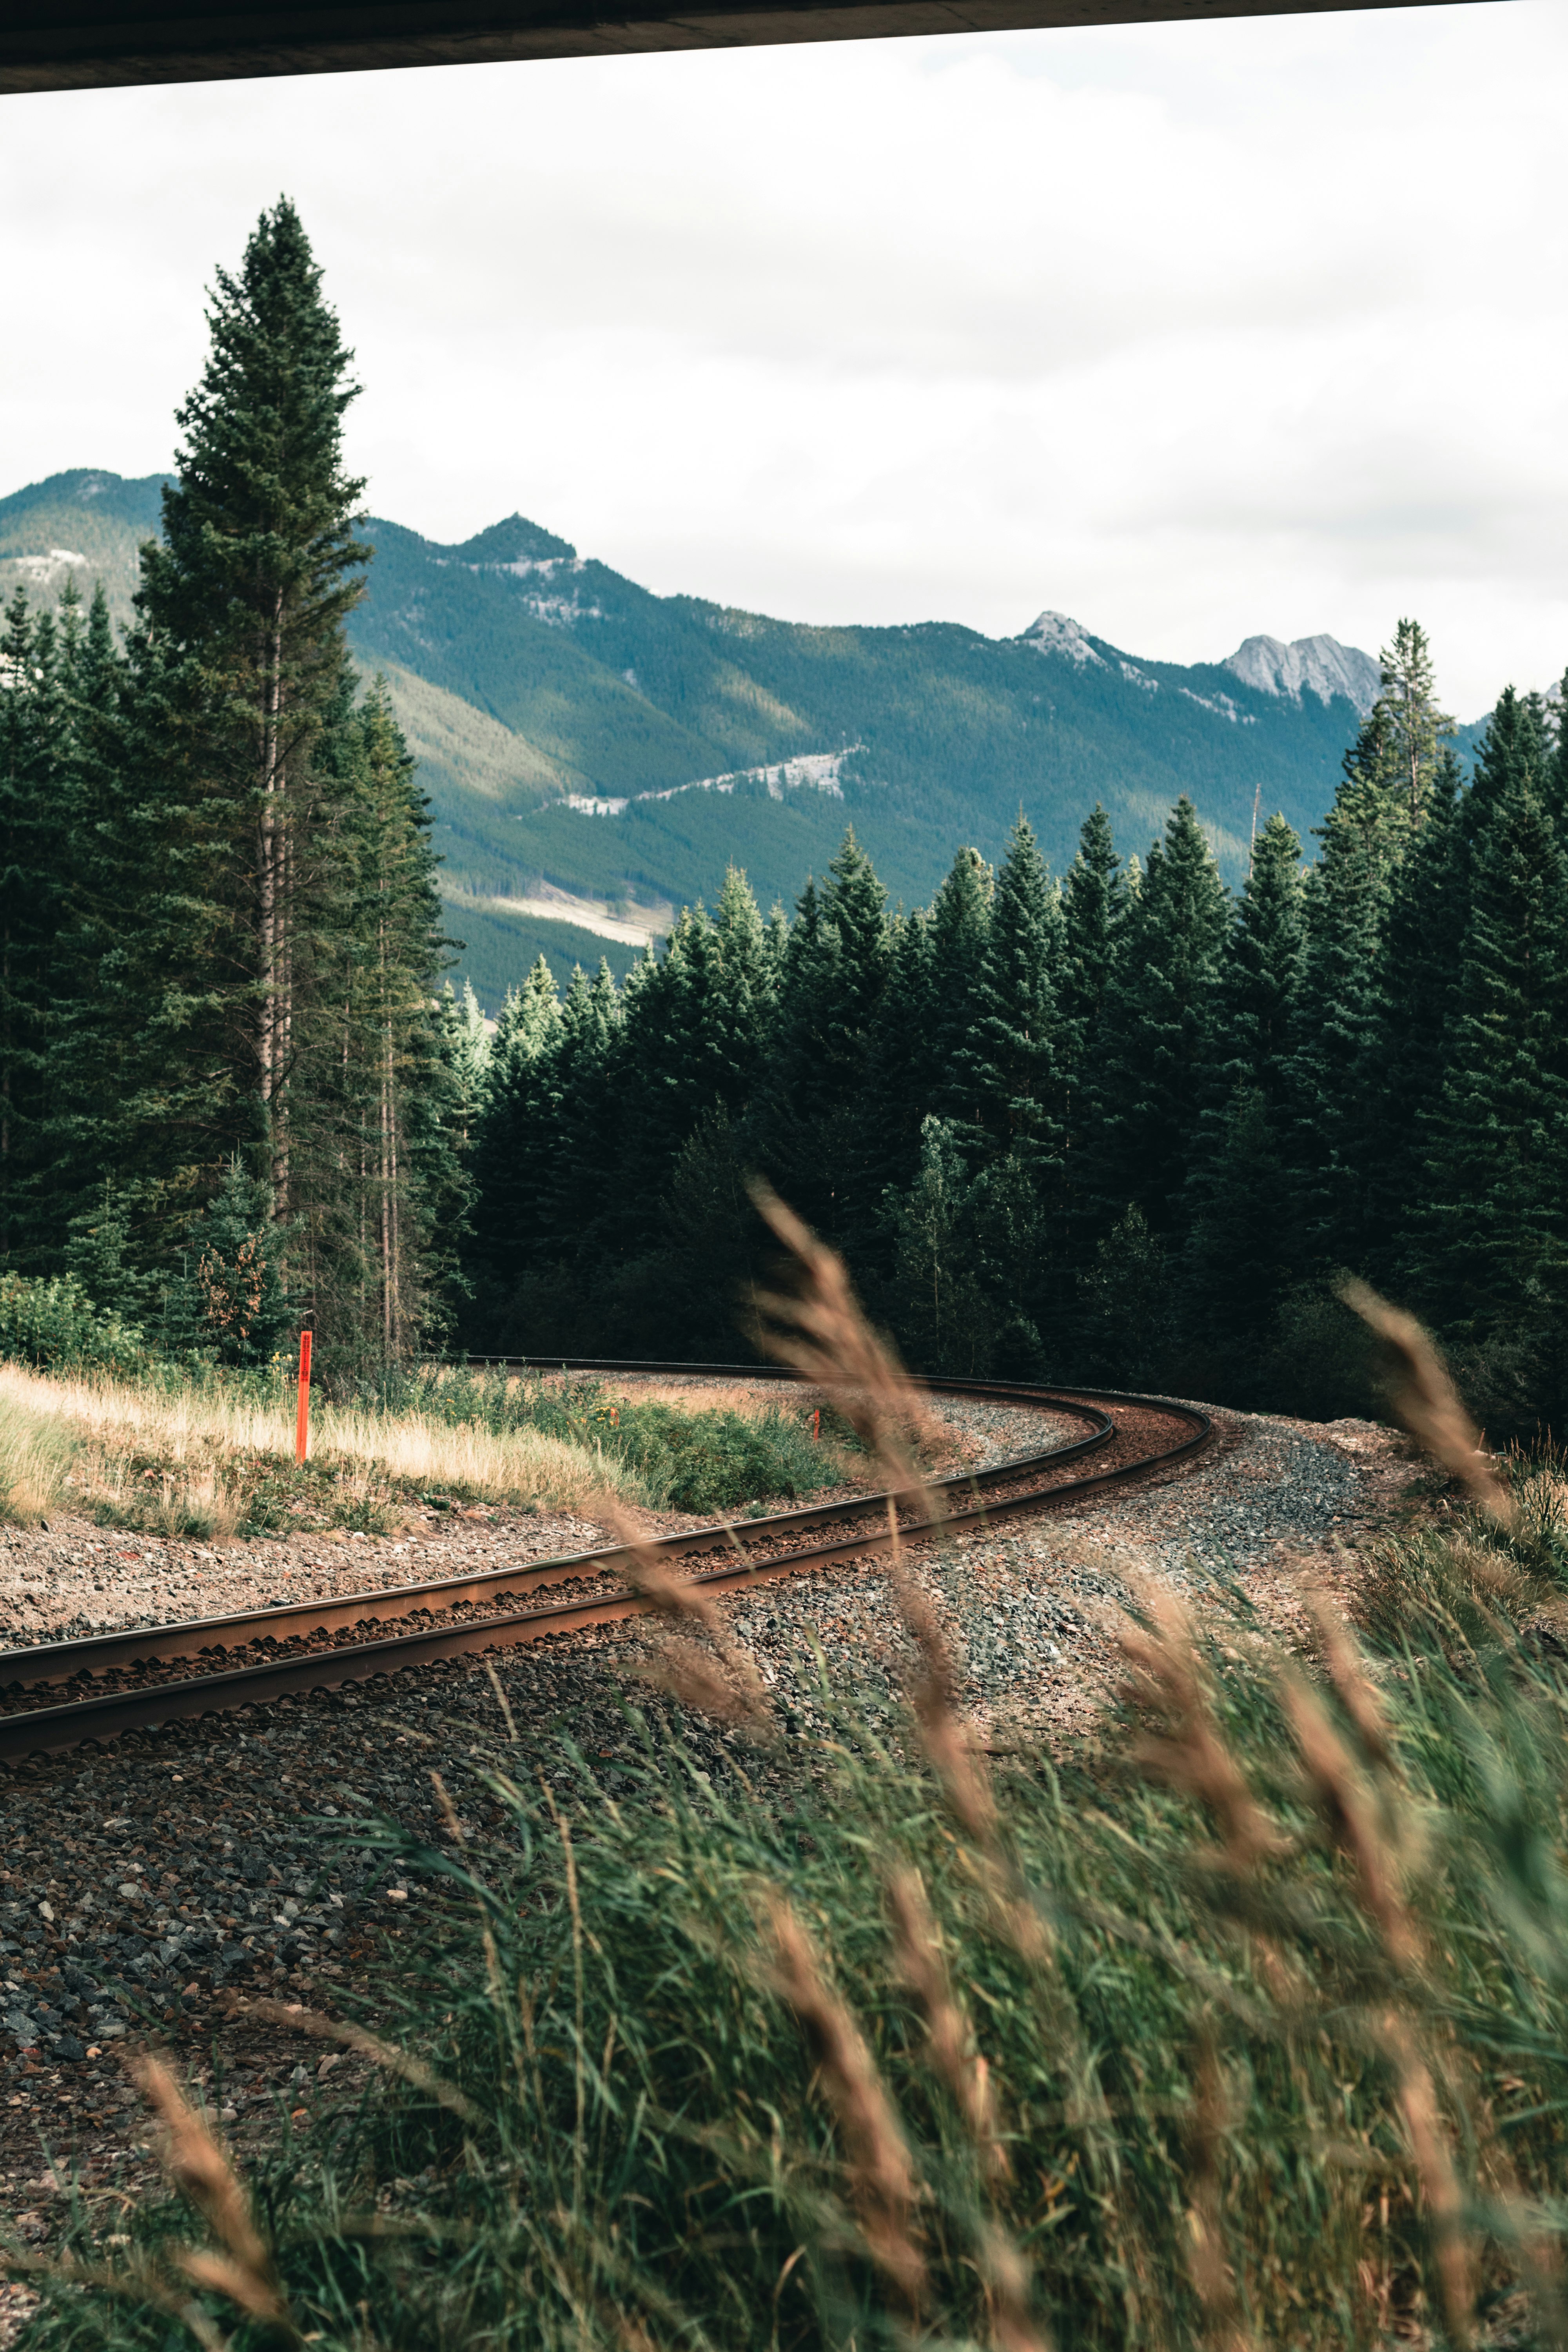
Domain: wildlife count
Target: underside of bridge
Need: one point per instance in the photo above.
(97, 44)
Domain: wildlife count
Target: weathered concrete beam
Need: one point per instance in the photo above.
(103, 44)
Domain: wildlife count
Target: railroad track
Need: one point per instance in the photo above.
(146, 1676)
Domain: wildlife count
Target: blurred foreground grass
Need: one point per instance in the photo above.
(1247, 2026)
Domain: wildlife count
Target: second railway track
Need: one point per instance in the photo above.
(145, 1676)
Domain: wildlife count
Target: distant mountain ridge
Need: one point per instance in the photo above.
(1319, 666)
(593, 749)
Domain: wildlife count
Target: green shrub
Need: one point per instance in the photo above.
(695, 1461)
(54, 1325)
(707, 1462)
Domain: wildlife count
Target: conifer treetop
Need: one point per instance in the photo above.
(261, 516)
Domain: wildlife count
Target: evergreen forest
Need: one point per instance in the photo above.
(1125, 1125)
(1128, 1123)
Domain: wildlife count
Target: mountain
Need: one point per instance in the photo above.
(1319, 666)
(623, 745)
(84, 526)
(595, 753)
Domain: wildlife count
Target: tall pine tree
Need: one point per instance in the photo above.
(1339, 1003)
(960, 933)
(514, 1142)
(229, 793)
(1414, 732)
(1241, 1250)
(810, 1131)
(1488, 1243)
(1154, 1030)
(253, 939)
(1405, 1059)
(38, 666)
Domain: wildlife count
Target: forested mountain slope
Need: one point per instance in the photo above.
(596, 754)
(924, 735)
(84, 525)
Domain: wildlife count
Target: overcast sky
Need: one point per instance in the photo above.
(1189, 330)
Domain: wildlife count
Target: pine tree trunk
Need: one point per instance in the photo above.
(7, 1048)
(385, 1218)
(385, 1149)
(395, 1323)
(281, 1132)
(273, 909)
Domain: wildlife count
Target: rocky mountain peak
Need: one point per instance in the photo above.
(1056, 632)
(1321, 665)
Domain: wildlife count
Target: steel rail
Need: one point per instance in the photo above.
(107, 1714)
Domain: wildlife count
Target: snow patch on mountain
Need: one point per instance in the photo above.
(1221, 705)
(629, 925)
(544, 567)
(559, 611)
(812, 771)
(562, 612)
(1319, 665)
(41, 567)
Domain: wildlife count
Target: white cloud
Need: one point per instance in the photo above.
(1191, 331)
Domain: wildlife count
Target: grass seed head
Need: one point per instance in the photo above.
(1426, 1401)
(384, 2054)
(819, 1327)
(1430, 2146)
(1351, 1810)
(1167, 1682)
(917, 1955)
(203, 2174)
(1358, 1694)
(1006, 2274)
(732, 1689)
(1211, 2122)
(882, 2185)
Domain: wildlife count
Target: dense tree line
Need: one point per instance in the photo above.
(229, 1087)
(1125, 1125)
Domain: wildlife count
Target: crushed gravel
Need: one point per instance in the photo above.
(74, 1578)
(144, 1887)
(1027, 1609)
(989, 1434)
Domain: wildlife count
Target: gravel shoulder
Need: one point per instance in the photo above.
(148, 1889)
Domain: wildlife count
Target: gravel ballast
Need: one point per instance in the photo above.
(75, 1578)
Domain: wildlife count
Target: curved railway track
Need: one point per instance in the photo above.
(145, 1676)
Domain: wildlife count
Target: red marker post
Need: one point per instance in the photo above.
(302, 1429)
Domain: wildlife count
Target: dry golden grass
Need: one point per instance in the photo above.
(176, 1458)
(36, 1456)
(520, 1465)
